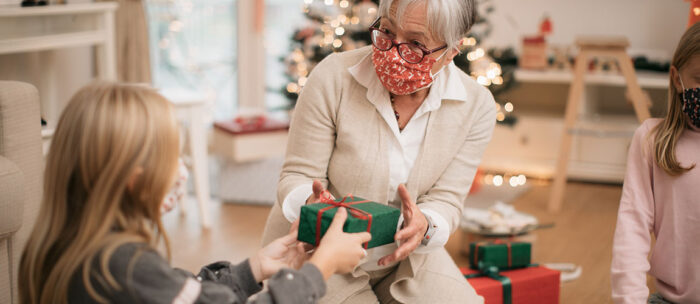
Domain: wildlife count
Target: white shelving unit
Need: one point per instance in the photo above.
(648, 80)
(53, 27)
(599, 154)
(50, 42)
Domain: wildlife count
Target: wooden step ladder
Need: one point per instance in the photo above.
(589, 48)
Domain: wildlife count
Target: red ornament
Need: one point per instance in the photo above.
(545, 26)
(694, 12)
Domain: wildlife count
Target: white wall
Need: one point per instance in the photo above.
(652, 26)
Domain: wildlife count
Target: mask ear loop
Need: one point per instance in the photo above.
(438, 59)
(442, 68)
(681, 79)
(683, 101)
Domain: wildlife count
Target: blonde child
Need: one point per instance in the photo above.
(113, 158)
(661, 195)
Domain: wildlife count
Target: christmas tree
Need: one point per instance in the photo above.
(342, 25)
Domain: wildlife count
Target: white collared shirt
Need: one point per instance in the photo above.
(403, 149)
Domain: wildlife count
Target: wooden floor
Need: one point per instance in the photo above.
(582, 235)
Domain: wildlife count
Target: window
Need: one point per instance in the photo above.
(193, 47)
(282, 19)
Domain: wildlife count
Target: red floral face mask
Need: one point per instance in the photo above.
(398, 75)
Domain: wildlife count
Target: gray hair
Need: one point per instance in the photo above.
(448, 20)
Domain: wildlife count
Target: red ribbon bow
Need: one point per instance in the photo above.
(357, 213)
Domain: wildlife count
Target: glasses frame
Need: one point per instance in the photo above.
(394, 43)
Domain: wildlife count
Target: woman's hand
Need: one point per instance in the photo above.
(414, 227)
(318, 191)
(339, 252)
(284, 252)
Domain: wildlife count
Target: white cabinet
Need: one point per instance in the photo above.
(599, 151)
(44, 29)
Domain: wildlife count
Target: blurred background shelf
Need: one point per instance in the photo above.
(56, 9)
(530, 146)
(651, 80)
(41, 31)
(49, 42)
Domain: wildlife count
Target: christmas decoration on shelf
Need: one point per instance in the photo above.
(26, 3)
(545, 25)
(534, 53)
(562, 58)
(643, 63)
(342, 25)
(534, 47)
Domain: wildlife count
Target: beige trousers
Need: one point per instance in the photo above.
(435, 281)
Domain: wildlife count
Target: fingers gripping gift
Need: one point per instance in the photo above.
(363, 215)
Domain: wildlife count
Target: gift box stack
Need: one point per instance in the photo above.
(502, 272)
(363, 215)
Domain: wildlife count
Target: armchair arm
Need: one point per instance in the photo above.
(12, 198)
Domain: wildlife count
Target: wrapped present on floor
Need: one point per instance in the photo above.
(529, 285)
(466, 238)
(503, 255)
(363, 215)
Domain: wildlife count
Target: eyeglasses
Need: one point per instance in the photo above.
(410, 52)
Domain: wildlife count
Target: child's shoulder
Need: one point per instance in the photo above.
(646, 127)
(643, 139)
(127, 255)
(127, 262)
(649, 124)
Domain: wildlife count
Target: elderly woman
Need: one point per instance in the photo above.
(398, 123)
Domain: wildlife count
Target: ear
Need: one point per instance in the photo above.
(451, 54)
(133, 177)
(675, 78)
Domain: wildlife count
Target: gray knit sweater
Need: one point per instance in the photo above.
(146, 277)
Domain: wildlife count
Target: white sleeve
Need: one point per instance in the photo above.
(291, 206)
(441, 235)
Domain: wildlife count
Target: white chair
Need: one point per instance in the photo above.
(190, 108)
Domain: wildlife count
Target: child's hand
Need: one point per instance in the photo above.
(284, 252)
(339, 252)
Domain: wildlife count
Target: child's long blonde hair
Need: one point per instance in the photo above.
(107, 134)
(667, 132)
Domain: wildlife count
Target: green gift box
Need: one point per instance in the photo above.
(362, 214)
(502, 255)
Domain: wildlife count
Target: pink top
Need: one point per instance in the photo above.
(667, 206)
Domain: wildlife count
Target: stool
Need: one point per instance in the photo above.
(189, 109)
(591, 47)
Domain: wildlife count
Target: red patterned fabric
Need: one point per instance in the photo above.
(398, 75)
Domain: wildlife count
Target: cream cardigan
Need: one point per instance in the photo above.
(338, 136)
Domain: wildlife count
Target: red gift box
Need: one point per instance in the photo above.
(250, 125)
(536, 285)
